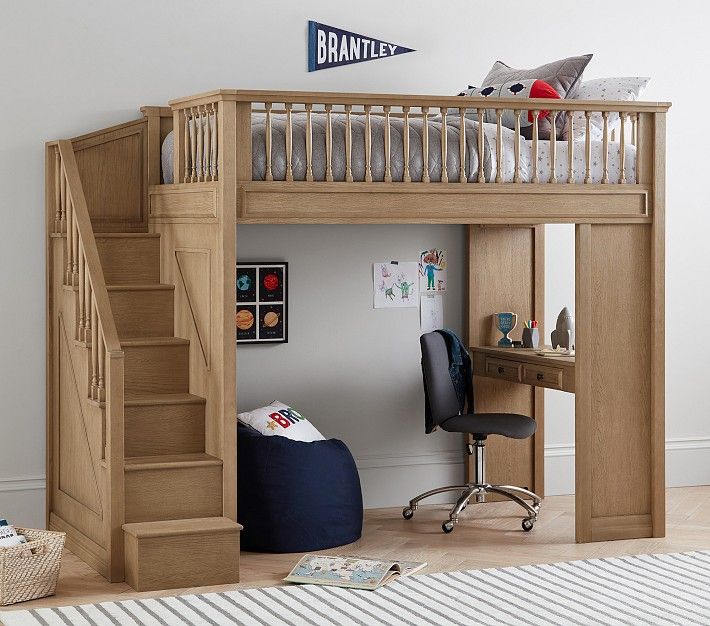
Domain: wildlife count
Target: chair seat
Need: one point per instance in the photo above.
(484, 424)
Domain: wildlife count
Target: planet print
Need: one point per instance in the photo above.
(271, 319)
(244, 319)
(244, 282)
(271, 282)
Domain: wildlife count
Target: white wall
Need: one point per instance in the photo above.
(71, 67)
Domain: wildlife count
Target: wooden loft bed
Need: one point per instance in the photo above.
(141, 367)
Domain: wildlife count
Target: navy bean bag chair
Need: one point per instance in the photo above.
(296, 496)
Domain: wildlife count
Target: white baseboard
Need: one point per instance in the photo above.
(22, 483)
(391, 479)
(22, 500)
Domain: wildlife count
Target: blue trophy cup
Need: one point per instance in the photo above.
(505, 323)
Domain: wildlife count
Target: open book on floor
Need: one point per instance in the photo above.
(349, 571)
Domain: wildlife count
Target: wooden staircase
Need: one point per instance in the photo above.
(173, 489)
(166, 510)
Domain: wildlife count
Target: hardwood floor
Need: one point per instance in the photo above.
(488, 536)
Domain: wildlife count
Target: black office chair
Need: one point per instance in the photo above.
(445, 412)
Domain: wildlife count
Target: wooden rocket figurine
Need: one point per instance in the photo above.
(563, 335)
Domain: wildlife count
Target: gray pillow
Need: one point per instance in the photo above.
(563, 76)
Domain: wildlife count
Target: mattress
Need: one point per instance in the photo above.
(489, 157)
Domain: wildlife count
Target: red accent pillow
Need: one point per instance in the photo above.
(541, 89)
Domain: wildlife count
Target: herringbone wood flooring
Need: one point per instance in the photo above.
(488, 536)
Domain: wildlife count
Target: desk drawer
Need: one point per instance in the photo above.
(505, 370)
(542, 376)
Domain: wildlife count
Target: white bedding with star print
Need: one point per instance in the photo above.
(561, 164)
(278, 418)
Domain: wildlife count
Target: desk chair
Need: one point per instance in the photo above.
(445, 410)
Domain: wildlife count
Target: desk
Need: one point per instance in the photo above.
(617, 375)
(523, 365)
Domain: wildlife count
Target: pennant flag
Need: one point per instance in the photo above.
(329, 47)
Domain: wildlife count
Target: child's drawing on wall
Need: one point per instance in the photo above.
(432, 270)
(395, 284)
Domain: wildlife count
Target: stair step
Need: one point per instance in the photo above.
(145, 310)
(181, 553)
(171, 461)
(156, 365)
(129, 257)
(160, 424)
(170, 487)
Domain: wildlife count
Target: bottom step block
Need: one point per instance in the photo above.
(182, 553)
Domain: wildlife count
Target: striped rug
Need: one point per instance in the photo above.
(645, 589)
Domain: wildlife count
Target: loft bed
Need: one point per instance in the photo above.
(156, 203)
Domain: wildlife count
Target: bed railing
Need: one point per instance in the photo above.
(197, 151)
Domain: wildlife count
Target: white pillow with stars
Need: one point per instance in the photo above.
(280, 419)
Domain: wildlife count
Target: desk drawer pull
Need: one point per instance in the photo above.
(501, 369)
(540, 376)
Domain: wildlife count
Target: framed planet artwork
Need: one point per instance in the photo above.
(261, 314)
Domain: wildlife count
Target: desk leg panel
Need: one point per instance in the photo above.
(506, 273)
(614, 450)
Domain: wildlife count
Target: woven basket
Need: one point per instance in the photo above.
(30, 570)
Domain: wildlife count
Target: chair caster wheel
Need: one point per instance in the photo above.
(527, 525)
(447, 527)
(407, 513)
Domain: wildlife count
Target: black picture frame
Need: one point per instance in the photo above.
(261, 309)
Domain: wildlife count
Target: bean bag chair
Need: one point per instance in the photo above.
(296, 496)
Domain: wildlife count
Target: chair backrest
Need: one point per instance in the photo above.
(440, 391)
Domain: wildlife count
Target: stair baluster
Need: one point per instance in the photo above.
(94, 351)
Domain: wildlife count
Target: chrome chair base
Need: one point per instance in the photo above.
(478, 489)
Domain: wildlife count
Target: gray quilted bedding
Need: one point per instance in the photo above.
(358, 149)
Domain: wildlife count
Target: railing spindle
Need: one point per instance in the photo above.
(481, 149)
(207, 148)
(329, 143)
(309, 143)
(499, 145)
(605, 148)
(70, 234)
(388, 145)
(193, 145)
(622, 149)
(88, 295)
(82, 313)
(444, 146)
(639, 152)
(199, 149)
(214, 153)
(553, 147)
(348, 144)
(588, 148)
(406, 176)
(516, 176)
(425, 145)
(186, 143)
(100, 388)
(57, 193)
(289, 142)
(535, 174)
(368, 144)
(570, 148)
(269, 173)
(94, 350)
(75, 254)
(462, 146)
